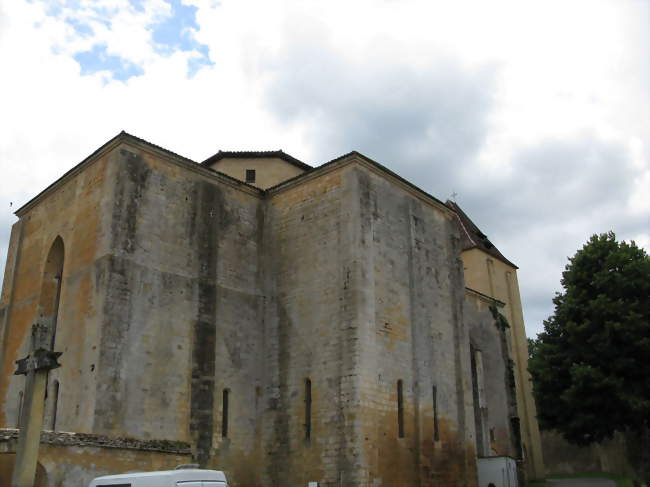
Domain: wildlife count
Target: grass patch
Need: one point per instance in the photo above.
(621, 481)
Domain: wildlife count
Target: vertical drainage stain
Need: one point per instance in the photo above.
(130, 187)
(207, 211)
(116, 276)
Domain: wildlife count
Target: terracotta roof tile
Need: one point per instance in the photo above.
(252, 154)
(473, 238)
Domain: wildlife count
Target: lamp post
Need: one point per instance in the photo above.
(35, 367)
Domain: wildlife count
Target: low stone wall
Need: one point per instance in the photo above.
(561, 457)
(73, 459)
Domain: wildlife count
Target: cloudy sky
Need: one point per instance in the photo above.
(535, 113)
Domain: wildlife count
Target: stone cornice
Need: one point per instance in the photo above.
(484, 297)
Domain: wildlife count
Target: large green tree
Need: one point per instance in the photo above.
(591, 365)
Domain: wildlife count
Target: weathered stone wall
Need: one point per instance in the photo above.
(180, 284)
(490, 337)
(269, 171)
(412, 332)
(498, 280)
(78, 212)
(365, 289)
(8, 280)
(182, 311)
(563, 458)
(307, 333)
(160, 309)
(73, 460)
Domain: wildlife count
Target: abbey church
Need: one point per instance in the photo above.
(250, 313)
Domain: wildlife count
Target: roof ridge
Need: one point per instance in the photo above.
(123, 135)
(471, 229)
(251, 151)
(140, 139)
(371, 162)
(257, 153)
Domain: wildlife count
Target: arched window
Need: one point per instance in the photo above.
(48, 313)
(48, 308)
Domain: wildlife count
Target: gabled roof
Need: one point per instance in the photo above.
(203, 167)
(471, 237)
(126, 137)
(383, 169)
(279, 154)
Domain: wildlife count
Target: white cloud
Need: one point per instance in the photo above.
(115, 23)
(506, 81)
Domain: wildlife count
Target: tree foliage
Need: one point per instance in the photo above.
(590, 366)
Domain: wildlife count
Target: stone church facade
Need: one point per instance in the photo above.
(279, 322)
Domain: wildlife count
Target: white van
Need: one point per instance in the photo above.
(169, 478)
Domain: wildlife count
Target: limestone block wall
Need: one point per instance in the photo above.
(182, 317)
(498, 280)
(563, 458)
(160, 308)
(197, 309)
(489, 339)
(73, 459)
(269, 171)
(78, 213)
(412, 331)
(309, 334)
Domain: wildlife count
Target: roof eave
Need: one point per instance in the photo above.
(279, 154)
(106, 147)
(378, 168)
(124, 137)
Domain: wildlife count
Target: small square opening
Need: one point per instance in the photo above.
(250, 175)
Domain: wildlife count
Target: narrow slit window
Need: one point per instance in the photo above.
(307, 409)
(436, 433)
(20, 408)
(57, 280)
(400, 409)
(55, 406)
(224, 413)
(250, 175)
